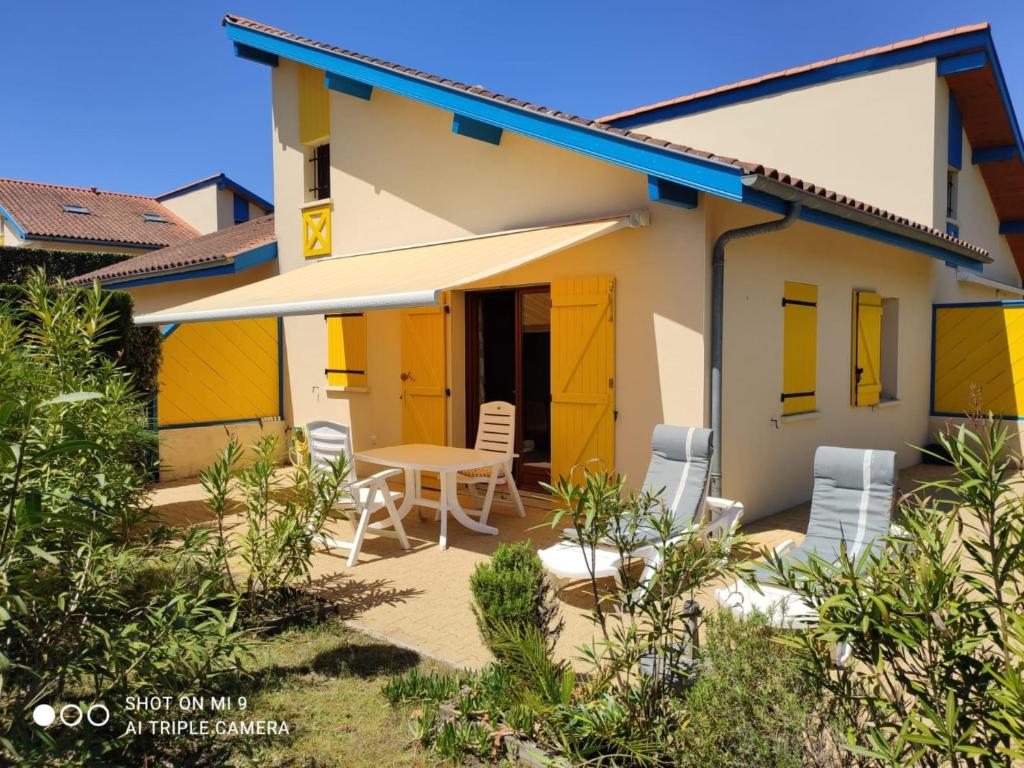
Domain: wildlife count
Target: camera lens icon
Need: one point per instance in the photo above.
(71, 715)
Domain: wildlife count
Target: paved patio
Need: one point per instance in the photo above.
(420, 599)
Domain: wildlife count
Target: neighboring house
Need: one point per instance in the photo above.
(214, 203)
(216, 379)
(441, 245)
(56, 217)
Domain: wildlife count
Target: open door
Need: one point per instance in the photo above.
(582, 373)
(424, 379)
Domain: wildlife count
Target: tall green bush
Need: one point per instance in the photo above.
(95, 605)
(18, 264)
(511, 590)
(934, 621)
(136, 349)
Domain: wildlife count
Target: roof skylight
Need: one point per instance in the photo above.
(155, 217)
(80, 209)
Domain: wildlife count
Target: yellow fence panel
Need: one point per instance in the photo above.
(978, 360)
(227, 370)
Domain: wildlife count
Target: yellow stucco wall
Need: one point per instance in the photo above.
(881, 137)
(198, 207)
(870, 136)
(400, 176)
(157, 296)
(767, 459)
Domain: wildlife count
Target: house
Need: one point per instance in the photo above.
(440, 245)
(216, 379)
(57, 217)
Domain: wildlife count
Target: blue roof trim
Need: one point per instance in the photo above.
(993, 154)
(955, 139)
(474, 129)
(825, 219)
(168, 329)
(707, 175)
(242, 261)
(348, 86)
(253, 54)
(17, 227)
(223, 182)
(661, 191)
(961, 62)
(859, 66)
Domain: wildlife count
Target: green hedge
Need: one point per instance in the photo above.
(137, 348)
(16, 264)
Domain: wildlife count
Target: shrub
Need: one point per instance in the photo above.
(92, 606)
(934, 621)
(752, 703)
(17, 264)
(283, 516)
(136, 349)
(512, 590)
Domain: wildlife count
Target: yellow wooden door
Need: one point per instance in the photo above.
(866, 385)
(582, 374)
(424, 381)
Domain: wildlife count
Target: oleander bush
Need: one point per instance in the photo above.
(934, 620)
(96, 602)
(282, 516)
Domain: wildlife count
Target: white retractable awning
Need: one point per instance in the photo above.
(412, 276)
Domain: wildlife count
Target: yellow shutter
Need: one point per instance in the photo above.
(424, 378)
(316, 230)
(346, 351)
(799, 347)
(314, 125)
(866, 382)
(582, 373)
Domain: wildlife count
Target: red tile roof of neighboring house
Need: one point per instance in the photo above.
(752, 169)
(795, 71)
(113, 218)
(215, 248)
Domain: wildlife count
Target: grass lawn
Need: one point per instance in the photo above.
(325, 683)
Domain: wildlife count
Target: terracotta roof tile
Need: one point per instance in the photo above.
(222, 245)
(113, 217)
(796, 70)
(595, 125)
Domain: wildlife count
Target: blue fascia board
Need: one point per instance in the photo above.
(100, 243)
(240, 263)
(249, 53)
(223, 181)
(993, 154)
(961, 62)
(859, 66)
(168, 329)
(348, 86)
(955, 140)
(475, 129)
(17, 228)
(706, 175)
(1011, 227)
(662, 191)
(825, 219)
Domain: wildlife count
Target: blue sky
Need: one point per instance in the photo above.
(144, 96)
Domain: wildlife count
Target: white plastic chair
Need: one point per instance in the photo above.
(495, 433)
(328, 441)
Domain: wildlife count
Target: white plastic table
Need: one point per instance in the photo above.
(416, 458)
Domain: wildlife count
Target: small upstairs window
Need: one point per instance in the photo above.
(952, 184)
(71, 208)
(320, 176)
(156, 217)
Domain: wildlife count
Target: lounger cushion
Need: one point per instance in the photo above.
(680, 463)
(852, 501)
